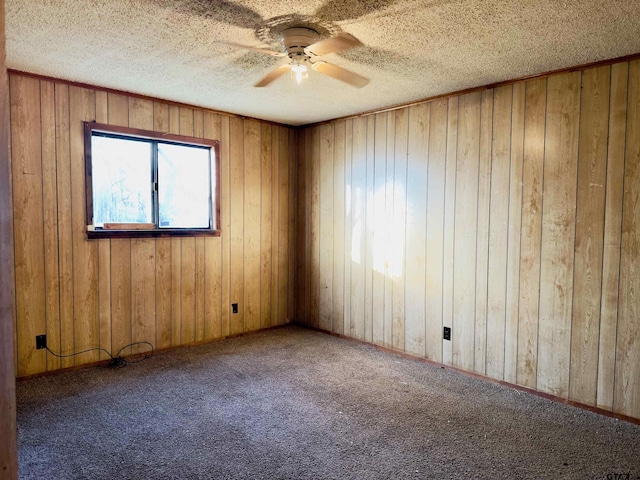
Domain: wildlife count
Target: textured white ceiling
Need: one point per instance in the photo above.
(414, 49)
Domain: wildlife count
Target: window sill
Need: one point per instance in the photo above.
(152, 233)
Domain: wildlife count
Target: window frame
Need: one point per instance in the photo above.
(135, 133)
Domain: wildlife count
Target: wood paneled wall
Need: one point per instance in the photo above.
(8, 436)
(511, 215)
(168, 291)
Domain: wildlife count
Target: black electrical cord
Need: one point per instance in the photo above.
(117, 360)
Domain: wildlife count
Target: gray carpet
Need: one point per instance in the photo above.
(293, 403)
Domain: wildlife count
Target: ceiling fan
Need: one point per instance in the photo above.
(304, 49)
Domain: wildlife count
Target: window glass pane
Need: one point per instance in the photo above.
(121, 172)
(184, 186)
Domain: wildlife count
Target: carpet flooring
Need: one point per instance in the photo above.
(293, 403)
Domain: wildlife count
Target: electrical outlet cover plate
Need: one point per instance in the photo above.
(41, 341)
(447, 333)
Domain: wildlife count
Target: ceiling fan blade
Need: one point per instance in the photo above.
(267, 51)
(341, 74)
(273, 75)
(337, 43)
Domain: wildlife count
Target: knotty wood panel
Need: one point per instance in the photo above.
(511, 215)
(168, 291)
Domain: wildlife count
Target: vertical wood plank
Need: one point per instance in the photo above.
(236, 219)
(482, 235)
(292, 201)
(50, 218)
(225, 223)
(85, 253)
(536, 100)
(587, 282)
(308, 217)
(198, 132)
(416, 230)
(65, 243)
(380, 229)
(29, 266)
(187, 259)
(118, 114)
(435, 228)
(143, 255)
(163, 254)
(8, 435)
(498, 231)
(514, 233)
(368, 231)
(300, 286)
(285, 227)
(326, 214)
(466, 220)
(558, 232)
(612, 233)
(339, 164)
(314, 227)
(104, 256)
(348, 226)
(399, 223)
(143, 290)
(252, 203)
(390, 248)
(358, 205)
(266, 217)
(212, 254)
(176, 254)
(449, 224)
(276, 226)
(627, 382)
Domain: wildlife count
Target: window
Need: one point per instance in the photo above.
(142, 183)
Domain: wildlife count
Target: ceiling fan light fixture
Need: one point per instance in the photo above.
(299, 70)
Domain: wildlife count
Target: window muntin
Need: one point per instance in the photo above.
(142, 183)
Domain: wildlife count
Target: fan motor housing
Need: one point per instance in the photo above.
(296, 39)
